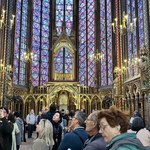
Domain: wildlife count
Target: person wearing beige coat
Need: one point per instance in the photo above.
(45, 139)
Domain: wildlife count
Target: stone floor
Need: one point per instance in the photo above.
(28, 144)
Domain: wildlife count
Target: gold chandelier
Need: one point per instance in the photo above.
(3, 20)
(134, 62)
(124, 25)
(97, 56)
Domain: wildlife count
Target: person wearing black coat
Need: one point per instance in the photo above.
(50, 113)
(57, 129)
(6, 129)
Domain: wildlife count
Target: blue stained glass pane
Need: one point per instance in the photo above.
(60, 15)
(20, 42)
(106, 70)
(109, 44)
(63, 61)
(45, 43)
(129, 39)
(36, 31)
(86, 42)
(82, 42)
(103, 78)
(141, 23)
(40, 42)
(69, 15)
(132, 37)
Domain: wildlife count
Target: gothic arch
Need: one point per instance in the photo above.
(107, 102)
(63, 43)
(40, 103)
(29, 104)
(85, 103)
(95, 103)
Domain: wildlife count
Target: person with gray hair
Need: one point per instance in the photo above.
(95, 140)
(75, 139)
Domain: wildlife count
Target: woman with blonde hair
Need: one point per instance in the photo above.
(45, 139)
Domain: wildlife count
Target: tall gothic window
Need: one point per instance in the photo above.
(62, 14)
(86, 42)
(63, 62)
(20, 42)
(141, 23)
(40, 41)
(106, 43)
(132, 36)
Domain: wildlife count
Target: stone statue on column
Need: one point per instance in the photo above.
(144, 67)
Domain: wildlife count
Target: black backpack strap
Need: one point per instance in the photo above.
(78, 136)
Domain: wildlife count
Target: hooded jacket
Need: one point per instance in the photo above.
(125, 141)
(19, 136)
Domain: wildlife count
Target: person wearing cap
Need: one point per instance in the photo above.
(141, 132)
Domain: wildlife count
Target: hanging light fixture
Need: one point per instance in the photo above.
(3, 19)
(124, 25)
(4, 68)
(97, 56)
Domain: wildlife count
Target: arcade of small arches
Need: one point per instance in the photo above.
(71, 97)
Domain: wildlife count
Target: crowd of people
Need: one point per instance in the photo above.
(108, 129)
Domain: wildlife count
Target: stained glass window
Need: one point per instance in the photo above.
(19, 72)
(59, 15)
(82, 42)
(129, 38)
(69, 15)
(141, 23)
(63, 61)
(109, 43)
(40, 42)
(106, 43)
(132, 36)
(60, 6)
(86, 42)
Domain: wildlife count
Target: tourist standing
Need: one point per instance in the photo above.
(45, 139)
(20, 135)
(95, 140)
(15, 131)
(57, 129)
(75, 139)
(31, 120)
